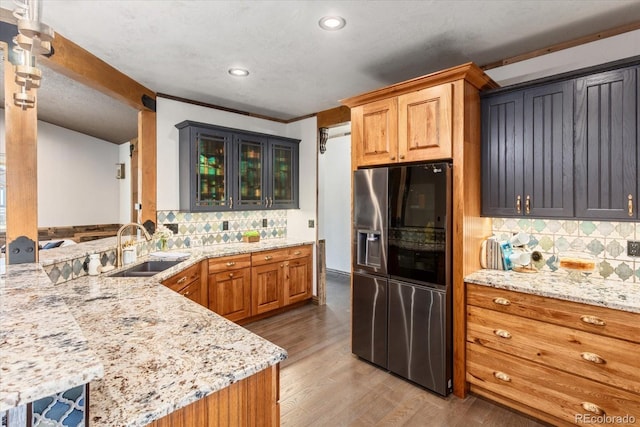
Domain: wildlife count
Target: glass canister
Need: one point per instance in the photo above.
(579, 265)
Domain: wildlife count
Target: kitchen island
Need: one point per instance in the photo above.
(163, 353)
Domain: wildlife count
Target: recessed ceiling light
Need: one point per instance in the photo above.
(238, 72)
(332, 23)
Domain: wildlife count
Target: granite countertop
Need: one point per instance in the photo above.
(160, 351)
(43, 350)
(604, 293)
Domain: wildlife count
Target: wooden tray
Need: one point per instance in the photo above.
(250, 239)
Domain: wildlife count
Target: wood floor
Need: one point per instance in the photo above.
(323, 384)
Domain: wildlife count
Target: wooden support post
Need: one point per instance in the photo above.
(21, 130)
(147, 163)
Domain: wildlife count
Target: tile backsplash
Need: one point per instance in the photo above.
(206, 228)
(605, 240)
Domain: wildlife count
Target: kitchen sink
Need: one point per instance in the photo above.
(146, 269)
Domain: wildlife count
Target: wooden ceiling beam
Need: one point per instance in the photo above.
(333, 117)
(78, 64)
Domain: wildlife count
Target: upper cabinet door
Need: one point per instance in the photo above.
(283, 174)
(251, 181)
(502, 155)
(375, 132)
(605, 145)
(548, 151)
(424, 124)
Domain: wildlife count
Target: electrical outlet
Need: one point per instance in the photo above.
(225, 225)
(264, 222)
(633, 248)
(311, 223)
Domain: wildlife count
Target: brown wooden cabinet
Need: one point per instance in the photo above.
(230, 286)
(280, 277)
(553, 359)
(189, 283)
(416, 126)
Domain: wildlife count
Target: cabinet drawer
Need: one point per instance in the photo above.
(604, 359)
(300, 251)
(182, 279)
(560, 394)
(192, 291)
(217, 265)
(590, 318)
(267, 257)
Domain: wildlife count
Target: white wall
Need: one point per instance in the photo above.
(76, 178)
(586, 55)
(334, 201)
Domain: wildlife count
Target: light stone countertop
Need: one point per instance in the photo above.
(160, 351)
(604, 293)
(43, 350)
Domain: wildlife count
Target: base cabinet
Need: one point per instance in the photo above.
(267, 288)
(189, 283)
(563, 362)
(253, 401)
(230, 286)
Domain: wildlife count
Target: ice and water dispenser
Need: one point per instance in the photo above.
(369, 248)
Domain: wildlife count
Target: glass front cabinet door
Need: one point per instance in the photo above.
(231, 169)
(205, 169)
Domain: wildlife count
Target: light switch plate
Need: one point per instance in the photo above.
(311, 223)
(225, 225)
(264, 222)
(633, 248)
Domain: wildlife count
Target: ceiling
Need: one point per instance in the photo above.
(185, 48)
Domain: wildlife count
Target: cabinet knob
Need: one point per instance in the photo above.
(401, 156)
(593, 320)
(281, 265)
(393, 157)
(527, 205)
(502, 376)
(502, 333)
(501, 301)
(231, 263)
(518, 204)
(230, 274)
(630, 204)
(186, 294)
(592, 407)
(593, 358)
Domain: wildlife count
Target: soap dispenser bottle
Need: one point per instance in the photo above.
(93, 267)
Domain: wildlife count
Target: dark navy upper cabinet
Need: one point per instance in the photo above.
(231, 169)
(606, 145)
(527, 154)
(502, 155)
(564, 146)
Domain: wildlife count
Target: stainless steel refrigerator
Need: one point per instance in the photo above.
(401, 315)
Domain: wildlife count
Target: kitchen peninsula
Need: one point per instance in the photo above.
(163, 355)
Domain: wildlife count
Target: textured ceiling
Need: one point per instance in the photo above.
(184, 48)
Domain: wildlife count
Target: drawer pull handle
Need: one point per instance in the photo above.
(593, 320)
(630, 205)
(297, 252)
(527, 205)
(592, 357)
(186, 294)
(502, 333)
(502, 376)
(182, 279)
(231, 264)
(593, 408)
(518, 204)
(501, 301)
(268, 257)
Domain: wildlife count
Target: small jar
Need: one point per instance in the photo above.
(93, 267)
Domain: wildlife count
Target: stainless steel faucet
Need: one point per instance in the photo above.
(119, 237)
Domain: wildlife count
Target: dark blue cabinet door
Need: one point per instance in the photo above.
(502, 155)
(548, 151)
(605, 145)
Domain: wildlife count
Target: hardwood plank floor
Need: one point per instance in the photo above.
(323, 384)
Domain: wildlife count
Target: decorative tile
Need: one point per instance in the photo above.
(604, 229)
(625, 230)
(617, 249)
(623, 271)
(552, 263)
(539, 226)
(53, 271)
(569, 228)
(605, 269)
(524, 224)
(563, 243)
(545, 244)
(595, 247)
(587, 228)
(79, 269)
(496, 223)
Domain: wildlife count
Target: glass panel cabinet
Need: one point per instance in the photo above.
(231, 169)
